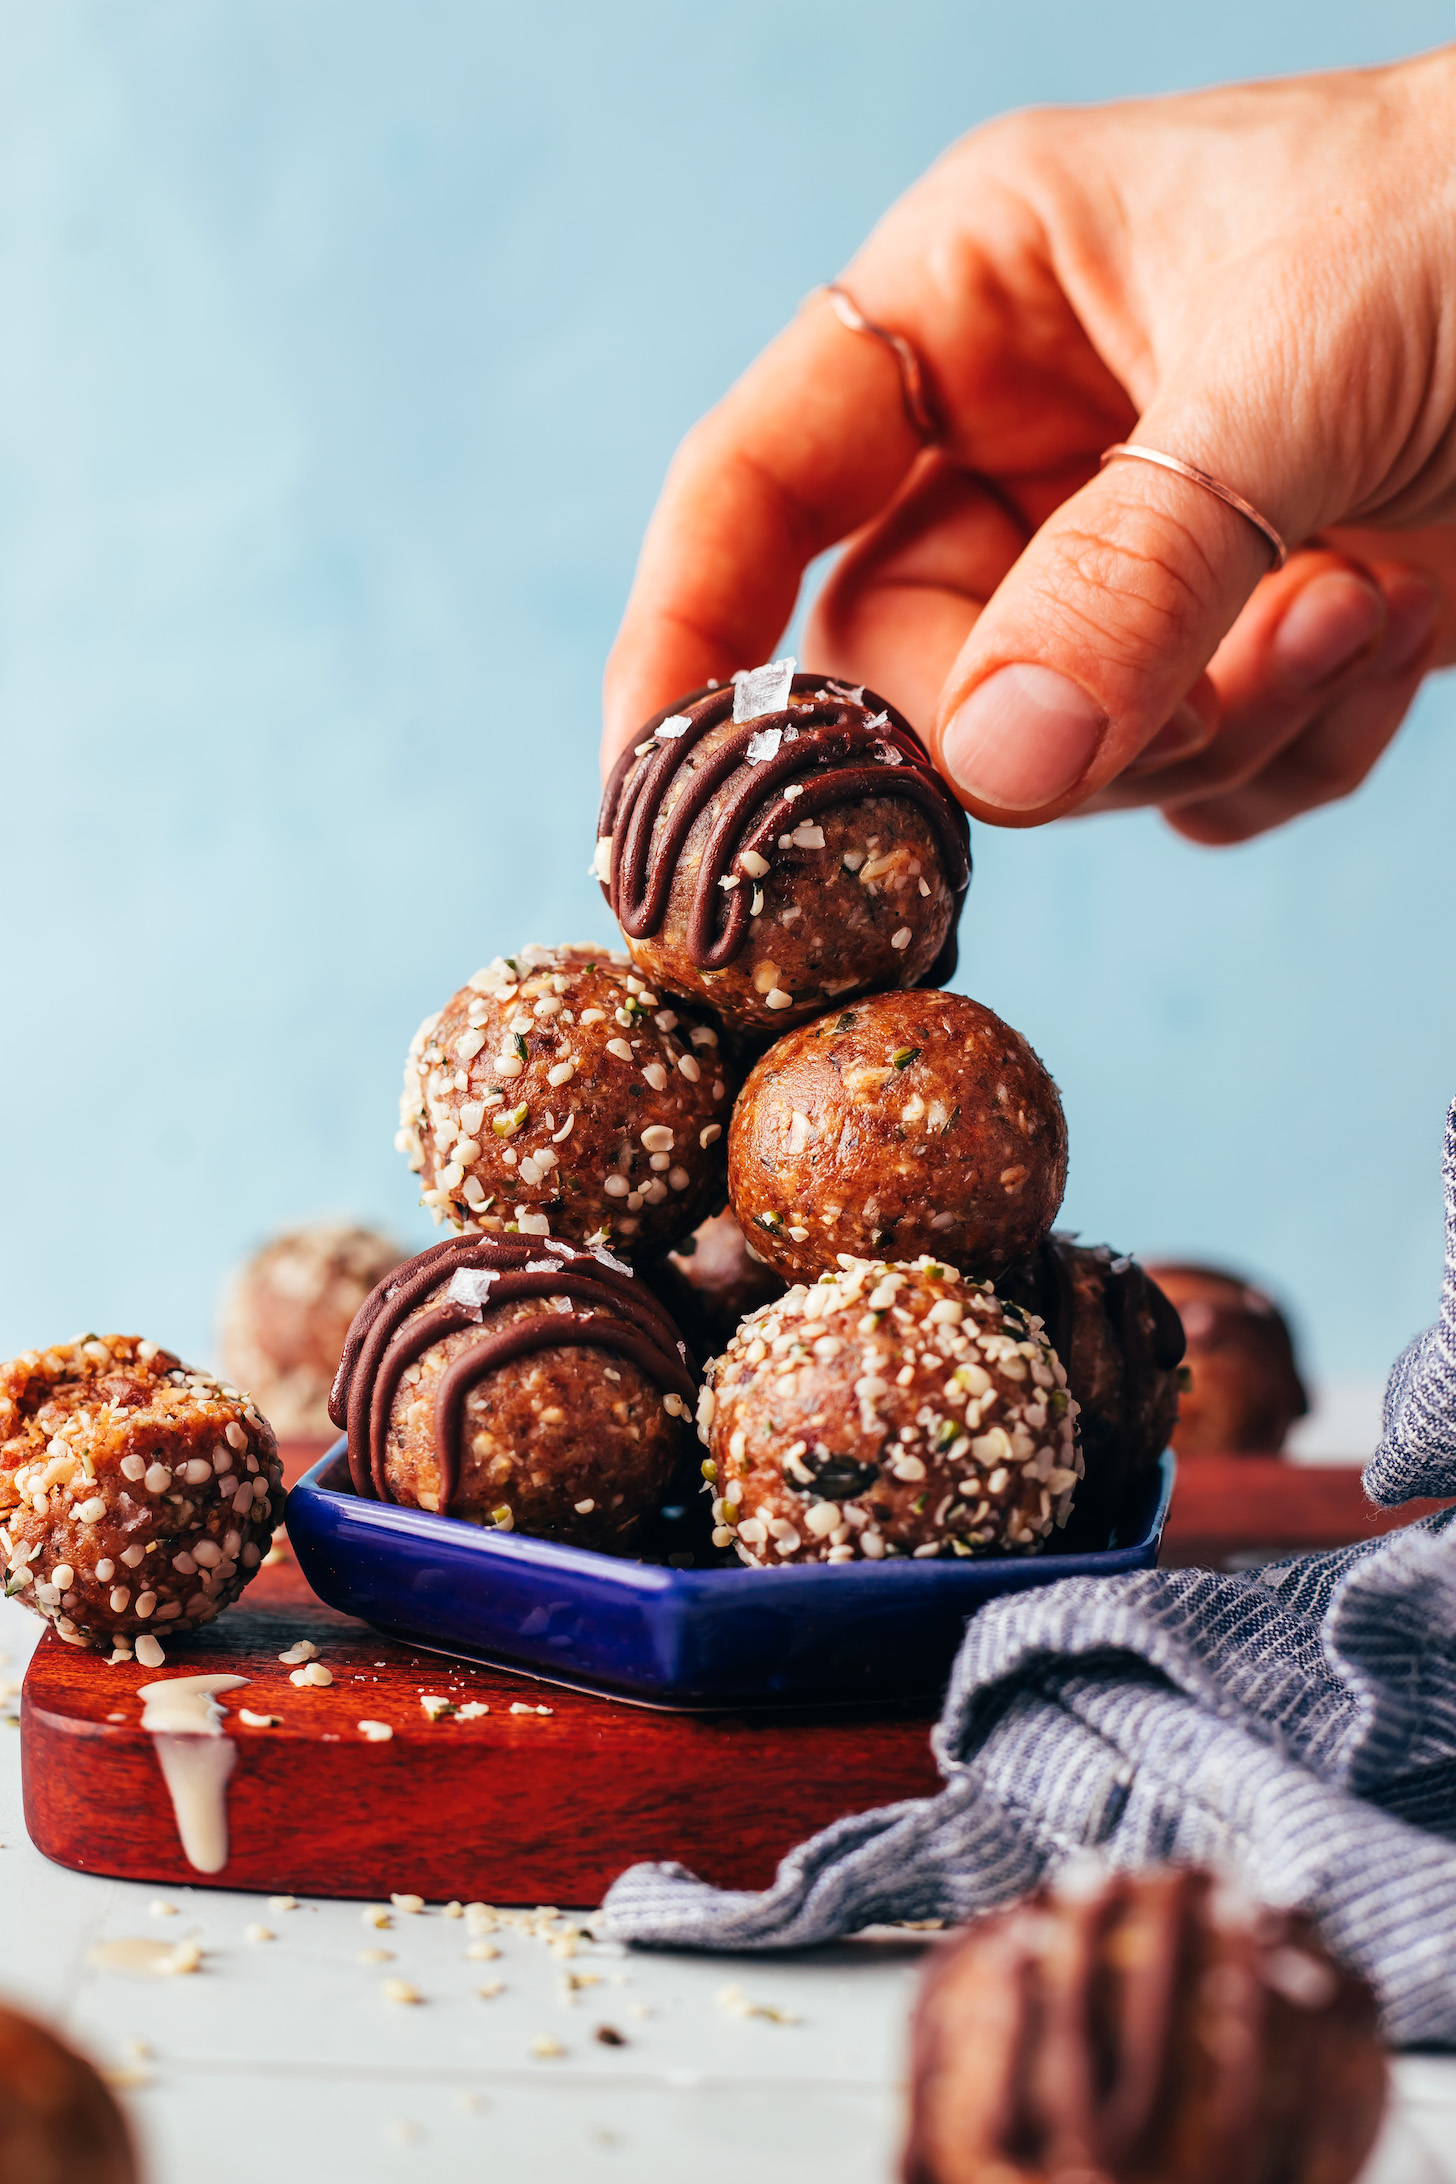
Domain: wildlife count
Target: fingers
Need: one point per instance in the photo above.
(1096, 638)
(1327, 761)
(1311, 635)
(906, 593)
(1334, 750)
(809, 444)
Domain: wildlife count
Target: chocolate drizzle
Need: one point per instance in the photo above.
(1148, 1329)
(830, 751)
(1142, 2029)
(611, 1311)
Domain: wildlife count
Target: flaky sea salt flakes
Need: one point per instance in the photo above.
(601, 1253)
(471, 1287)
(763, 690)
(676, 724)
(765, 744)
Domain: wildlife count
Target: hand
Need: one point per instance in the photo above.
(1257, 280)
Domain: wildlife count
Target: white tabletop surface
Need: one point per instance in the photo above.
(285, 2059)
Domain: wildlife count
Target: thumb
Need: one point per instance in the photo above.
(1095, 638)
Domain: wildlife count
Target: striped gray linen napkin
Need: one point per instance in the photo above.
(1296, 1726)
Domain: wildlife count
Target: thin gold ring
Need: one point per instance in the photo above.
(912, 377)
(1126, 451)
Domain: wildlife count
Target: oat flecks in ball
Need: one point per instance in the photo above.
(1143, 2028)
(1242, 1389)
(558, 1094)
(1121, 1342)
(770, 863)
(888, 1410)
(137, 1495)
(534, 1387)
(283, 1322)
(905, 1123)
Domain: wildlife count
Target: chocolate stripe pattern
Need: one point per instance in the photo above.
(610, 1311)
(838, 749)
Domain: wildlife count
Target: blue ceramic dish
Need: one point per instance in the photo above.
(660, 1636)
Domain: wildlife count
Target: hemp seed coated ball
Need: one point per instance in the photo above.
(533, 1388)
(906, 1123)
(888, 1410)
(557, 1094)
(779, 843)
(138, 1497)
(283, 1322)
(1121, 1342)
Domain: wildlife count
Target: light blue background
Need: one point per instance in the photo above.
(342, 347)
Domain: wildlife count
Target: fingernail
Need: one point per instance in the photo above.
(1412, 605)
(1178, 737)
(1328, 626)
(1022, 738)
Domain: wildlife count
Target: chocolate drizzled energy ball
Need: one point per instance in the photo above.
(533, 1387)
(1242, 1390)
(889, 1410)
(138, 1496)
(1153, 2028)
(1121, 1342)
(558, 1095)
(774, 845)
(283, 1322)
(907, 1123)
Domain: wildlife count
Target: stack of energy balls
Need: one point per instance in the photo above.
(908, 1362)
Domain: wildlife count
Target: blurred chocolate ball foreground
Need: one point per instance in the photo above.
(1242, 1388)
(58, 2122)
(1149, 2028)
(286, 1315)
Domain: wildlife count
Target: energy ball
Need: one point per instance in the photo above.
(908, 1123)
(777, 844)
(58, 2122)
(137, 1496)
(531, 1386)
(1242, 1390)
(1150, 2028)
(558, 1095)
(1121, 1342)
(713, 1278)
(285, 1316)
(889, 1410)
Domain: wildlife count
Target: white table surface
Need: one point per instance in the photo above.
(281, 2060)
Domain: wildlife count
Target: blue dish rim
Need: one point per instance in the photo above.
(363, 1556)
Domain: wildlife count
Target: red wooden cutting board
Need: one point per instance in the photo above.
(1224, 1505)
(503, 1808)
(516, 1807)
